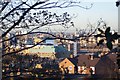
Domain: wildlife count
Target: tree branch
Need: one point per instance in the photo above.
(4, 6)
(22, 17)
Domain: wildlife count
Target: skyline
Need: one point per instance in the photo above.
(105, 10)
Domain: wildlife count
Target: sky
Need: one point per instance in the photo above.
(105, 9)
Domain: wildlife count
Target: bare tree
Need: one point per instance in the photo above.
(21, 14)
(32, 15)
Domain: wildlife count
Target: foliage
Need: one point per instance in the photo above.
(109, 37)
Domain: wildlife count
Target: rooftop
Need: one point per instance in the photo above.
(85, 60)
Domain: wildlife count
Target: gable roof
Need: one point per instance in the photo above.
(113, 57)
(85, 60)
(73, 60)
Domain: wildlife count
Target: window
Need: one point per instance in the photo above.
(79, 67)
(70, 67)
(93, 68)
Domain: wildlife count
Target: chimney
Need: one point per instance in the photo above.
(69, 46)
(91, 57)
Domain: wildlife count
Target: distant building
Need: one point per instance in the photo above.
(1, 32)
(29, 41)
(37, 40)
(38, 66)
(51, 41)
(73, 47)
(102, 67)
(48, 51)
(85, 62)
